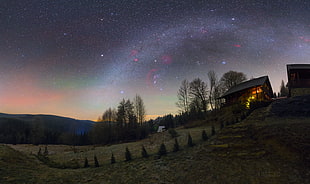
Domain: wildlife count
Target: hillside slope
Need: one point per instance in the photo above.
(264, 148)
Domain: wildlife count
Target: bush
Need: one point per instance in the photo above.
(243, 116)
(173, 133)
(162, 150)
(204, 135)
(212, 130)
(238, 108)
(127, 155)
(176, 146)
(144, 153)
(222, 125)
(86, 163)
(112, 159)
(96, 161)
(190, 141)
(72, 164)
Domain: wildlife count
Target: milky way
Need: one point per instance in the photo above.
(77, 58)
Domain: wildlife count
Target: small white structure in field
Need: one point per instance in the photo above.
(161, 129)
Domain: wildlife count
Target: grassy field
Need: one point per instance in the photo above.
(63, 153)
(263, 148)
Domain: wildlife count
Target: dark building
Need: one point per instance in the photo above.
(298, 79)
(254, 90)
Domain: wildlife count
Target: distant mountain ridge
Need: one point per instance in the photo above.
(59, 123)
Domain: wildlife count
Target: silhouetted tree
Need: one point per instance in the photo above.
(190, 140)
(139, 109)
(198, 92)
(232, 78)
(37, 131)
(96, 161)
(196, 111)
(127, 155)
(86, 163)
(204, 135)
(39, 152)
(167, 121)
(45, 151)
(144, 152)
(213, 82)
(121, 113)
(212, 130)
(218, 91)
(162, 150)
(109, 115)
(183, 97)
(112, 159)
(176, 146)
(283, 90)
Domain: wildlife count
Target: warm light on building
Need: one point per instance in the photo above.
(255, 90)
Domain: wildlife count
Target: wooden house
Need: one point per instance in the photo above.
(254, 90)
(298, 79)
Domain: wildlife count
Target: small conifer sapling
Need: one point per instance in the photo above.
(86, 163)
(127, 155)
(212, 130)
(204, 135)
(162, 150)
(39, 152)
(45, 151)
(112, 159)
(190, 140)
(96, 161)
(144, 152)
(176, 146)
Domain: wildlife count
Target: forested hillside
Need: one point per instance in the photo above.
(41, 129)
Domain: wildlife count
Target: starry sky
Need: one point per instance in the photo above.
(76, 58)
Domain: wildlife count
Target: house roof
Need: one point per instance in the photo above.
(245, 85)
(298, 66)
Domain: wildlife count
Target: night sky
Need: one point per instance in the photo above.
(77, 58)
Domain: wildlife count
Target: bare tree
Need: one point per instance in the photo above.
(183, 97)
(139, 109)
(232, 78)
(213, 82)
(198, 90)
(109, 115)
(195, 105)
(217, 93)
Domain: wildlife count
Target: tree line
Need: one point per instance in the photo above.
(121, 124)
(124, 123)
(195, 98)
(18, 131)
